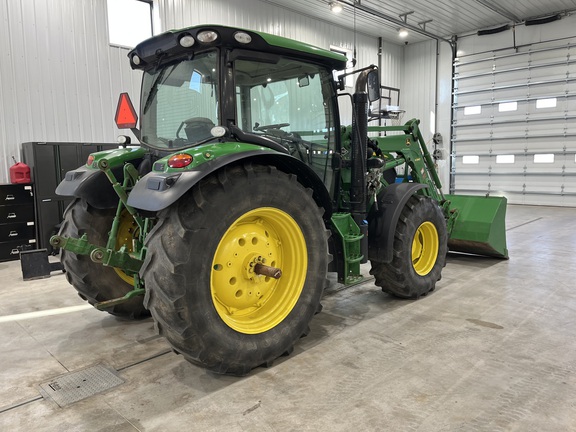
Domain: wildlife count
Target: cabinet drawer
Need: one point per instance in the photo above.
(11, 194)
(17, 231)
(11, 250)
(16, 213)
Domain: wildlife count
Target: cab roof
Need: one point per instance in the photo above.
(170, 44)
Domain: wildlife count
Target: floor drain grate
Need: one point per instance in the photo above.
(75, 386)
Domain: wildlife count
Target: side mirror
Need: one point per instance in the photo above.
(303, 81)
(373, 83)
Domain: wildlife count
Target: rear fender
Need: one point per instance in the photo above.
(158, 190)
(382, 222)
(91, 184)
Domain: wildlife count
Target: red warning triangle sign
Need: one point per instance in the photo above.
(126, 117)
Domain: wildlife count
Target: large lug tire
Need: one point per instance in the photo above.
(201, 287)
(420, 247)
(95, 282)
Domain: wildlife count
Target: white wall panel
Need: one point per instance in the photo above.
(392, 61)
(419, 84)
(261, 16)
(59, 78)
(426, 89)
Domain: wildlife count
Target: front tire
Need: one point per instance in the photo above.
(201, 287)
(95, 282)
(420, 247)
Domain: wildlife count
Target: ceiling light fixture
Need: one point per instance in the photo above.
(402, 32)
(336, 7)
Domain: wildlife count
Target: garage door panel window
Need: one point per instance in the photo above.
(472, 110)
(516, 111)
(544, 158)
(546, 103)
(505, 159)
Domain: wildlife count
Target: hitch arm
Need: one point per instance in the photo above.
(109, 303)
(79, 246)
(120, 259)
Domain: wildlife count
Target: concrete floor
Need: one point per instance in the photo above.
(492, 349)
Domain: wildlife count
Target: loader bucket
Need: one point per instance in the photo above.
(480, 225)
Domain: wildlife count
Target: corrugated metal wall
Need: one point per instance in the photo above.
(261, 16)
(392, 63)
(418, 91)
(60, 78)
(426, 95)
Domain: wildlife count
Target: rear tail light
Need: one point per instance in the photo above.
(180, 160)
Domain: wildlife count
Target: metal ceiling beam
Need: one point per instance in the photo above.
(499, 10)
(400, 23)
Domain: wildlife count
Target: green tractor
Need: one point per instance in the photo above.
(246, 191)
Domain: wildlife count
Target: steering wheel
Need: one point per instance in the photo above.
(196, 124)
(263, 128)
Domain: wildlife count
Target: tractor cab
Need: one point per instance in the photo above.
(210, 84)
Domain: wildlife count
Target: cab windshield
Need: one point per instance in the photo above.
(179, 104)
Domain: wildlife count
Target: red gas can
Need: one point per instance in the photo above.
(19, 173)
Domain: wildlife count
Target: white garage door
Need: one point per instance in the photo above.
(514, 124)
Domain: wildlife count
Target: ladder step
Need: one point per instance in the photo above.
(353, 260)
(349, 238)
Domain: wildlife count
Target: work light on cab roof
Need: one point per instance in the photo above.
(242, 37)
(207, 36)
(186, 40)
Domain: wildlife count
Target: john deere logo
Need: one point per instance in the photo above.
(408, 141)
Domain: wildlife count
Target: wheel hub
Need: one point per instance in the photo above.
(425, 248)
(247, 290)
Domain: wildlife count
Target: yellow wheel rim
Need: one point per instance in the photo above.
(127, 231)
(425, 248)
(251, 303)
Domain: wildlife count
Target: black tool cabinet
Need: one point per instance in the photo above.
(49, 162)
(17, 220)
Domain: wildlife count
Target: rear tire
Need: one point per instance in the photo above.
(420, 247)
(200, 286)
(95, 282)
